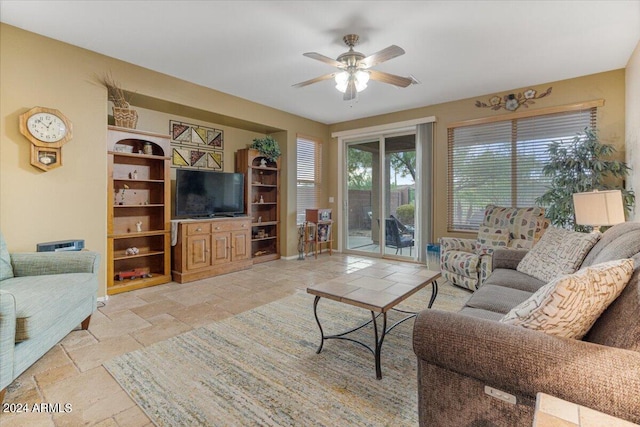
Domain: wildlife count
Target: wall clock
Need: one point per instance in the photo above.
(48, 130)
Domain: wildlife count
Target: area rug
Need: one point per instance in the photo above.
(261, 368)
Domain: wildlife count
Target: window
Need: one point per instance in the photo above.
(309, 155)
(500, 162)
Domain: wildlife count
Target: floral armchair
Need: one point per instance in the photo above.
(468, 262)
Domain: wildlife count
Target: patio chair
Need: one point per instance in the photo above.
(395, 239)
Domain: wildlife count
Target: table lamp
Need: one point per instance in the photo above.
(598, 208)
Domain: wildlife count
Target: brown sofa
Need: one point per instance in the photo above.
(459, 354)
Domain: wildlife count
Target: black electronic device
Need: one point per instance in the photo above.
(207, 194)
(61, 245)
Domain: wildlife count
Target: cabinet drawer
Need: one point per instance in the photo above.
(198, 228)
(230, 226)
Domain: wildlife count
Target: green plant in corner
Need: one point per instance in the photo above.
(268, 147)
(583, 164)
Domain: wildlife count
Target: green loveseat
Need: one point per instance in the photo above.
(43, 297)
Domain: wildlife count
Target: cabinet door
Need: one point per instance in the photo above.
(198, 251)
(221, 246)
(241, 245)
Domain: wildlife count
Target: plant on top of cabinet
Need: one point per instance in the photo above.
(268, 147)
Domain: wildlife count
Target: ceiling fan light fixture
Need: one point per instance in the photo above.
(342, 80)
(359, 77)
(362, 78)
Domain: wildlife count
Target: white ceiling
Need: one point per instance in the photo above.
(253, 49)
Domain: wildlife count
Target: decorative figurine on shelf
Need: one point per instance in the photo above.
(261, 199)
(263, 163)
(139, 226)
(259, 220)
(261, 234)
(125, 187)
(148, 148)
(301, 242)
(134, 174)
(132, 251)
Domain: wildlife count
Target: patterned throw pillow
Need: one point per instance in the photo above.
(558, 252)
(490, 237)
(523, 223)
(570, 305)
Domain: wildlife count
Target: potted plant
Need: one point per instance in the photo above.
(123, 115)
(582, 165)
(267, 147)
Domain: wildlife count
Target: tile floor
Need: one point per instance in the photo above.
(72, 371)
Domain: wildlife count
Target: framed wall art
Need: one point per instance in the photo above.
(196, 147)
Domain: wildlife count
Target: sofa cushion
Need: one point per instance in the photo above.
(620, 241)
(492, 237)
(497, 298)
(6, 271)
(509, 278)
(481, 313)
(42, 300)
(569, 305)
(558, 252)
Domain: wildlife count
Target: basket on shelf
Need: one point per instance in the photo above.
(125, 117)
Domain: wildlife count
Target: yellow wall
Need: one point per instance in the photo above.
(70, 201)
(609, 86)
(632, 122)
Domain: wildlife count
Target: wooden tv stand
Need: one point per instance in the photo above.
(210, 247)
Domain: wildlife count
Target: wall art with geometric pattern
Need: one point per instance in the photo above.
(196, 147)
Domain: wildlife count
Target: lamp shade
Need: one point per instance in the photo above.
(599, 208)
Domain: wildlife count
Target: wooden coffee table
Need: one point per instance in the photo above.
(376, 294)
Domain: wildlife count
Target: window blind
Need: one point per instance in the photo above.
(501, 162)
(309, 165)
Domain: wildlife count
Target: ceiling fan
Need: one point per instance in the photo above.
(355, 69)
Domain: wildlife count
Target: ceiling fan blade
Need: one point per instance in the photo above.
(316, 80)
(378, 57)
(392, 79)
(325, 59)
(351, 91)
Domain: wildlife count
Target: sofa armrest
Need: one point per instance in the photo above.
(7, 337)
(525, 362)
(508, 258)
(457, 244)
(40, 263)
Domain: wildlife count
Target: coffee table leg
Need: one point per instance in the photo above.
(378, 347)
(434, 292)
(315, 313)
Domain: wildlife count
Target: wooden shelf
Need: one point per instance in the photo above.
(138, 234)
(132, 284)
(120, 255)
(131, 180)
(257, 155)
(257, 239)
(265, 182)
(146, 202)
(138, 155)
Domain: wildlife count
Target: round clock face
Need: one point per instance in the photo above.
(46, 127)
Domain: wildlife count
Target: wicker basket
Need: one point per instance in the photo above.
(124, 117)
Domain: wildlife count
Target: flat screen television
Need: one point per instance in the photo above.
(208, 194)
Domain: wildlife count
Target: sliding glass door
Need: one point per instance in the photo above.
(380, 196)
(362, 170)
